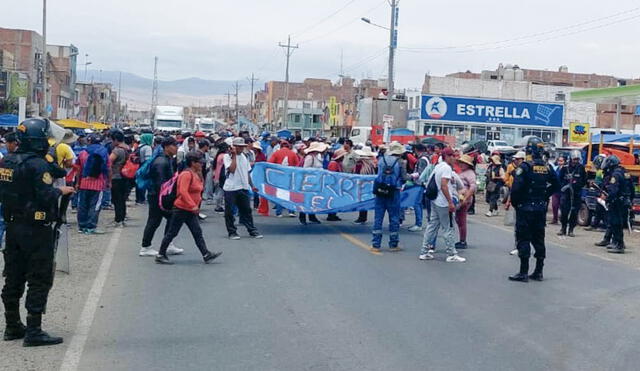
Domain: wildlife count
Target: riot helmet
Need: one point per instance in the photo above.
(534, 147)
(33, 135)
(610, 162)
(597, 162)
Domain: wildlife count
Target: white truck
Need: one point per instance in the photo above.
(169, 118)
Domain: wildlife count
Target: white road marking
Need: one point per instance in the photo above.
(76, 346)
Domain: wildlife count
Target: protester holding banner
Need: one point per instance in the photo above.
(365, 165)
(336, 166)
(350, 157)
(312, 159)
(285, 157)
(236, 190)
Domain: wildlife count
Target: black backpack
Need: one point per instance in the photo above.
(96, 165)
(431, 191)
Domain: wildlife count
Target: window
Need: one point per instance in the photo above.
(560, 97)
(410, 102)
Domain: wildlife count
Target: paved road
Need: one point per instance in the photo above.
(312, 298)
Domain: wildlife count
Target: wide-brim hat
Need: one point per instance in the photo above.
(239, 142)
(339, 154)
(316, 147)
(256, 145)
(396, 148)
(520, 155)
(365, 152)
(466, 159)
(69, 137)
(496, 159)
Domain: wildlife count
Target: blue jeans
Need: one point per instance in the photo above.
(106, 198)
(417, 208)
(88, 209)
(2, 225)
(389, 205)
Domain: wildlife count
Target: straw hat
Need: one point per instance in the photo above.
(396, 148)
(239, 142)
(256, 145)
(520, 155)
(339, 154)
(69, 137)
(496, 159)
(316, 147)
(365, 152)
(466, 159)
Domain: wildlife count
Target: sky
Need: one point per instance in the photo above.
(230, 40)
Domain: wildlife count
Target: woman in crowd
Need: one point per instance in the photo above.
(468, 177)
(312, 159)
(336, 166)
(365, 165)
(258, 201)
(186, 209)
(495, 182)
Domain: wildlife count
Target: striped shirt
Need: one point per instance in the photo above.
(90, 183)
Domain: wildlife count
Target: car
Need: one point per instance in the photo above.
(500, 146)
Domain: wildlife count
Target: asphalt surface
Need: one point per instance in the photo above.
(313, 298)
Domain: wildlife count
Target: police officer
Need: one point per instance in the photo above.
(534, 183)
(618, 193)
(572, 179)
(30, 206)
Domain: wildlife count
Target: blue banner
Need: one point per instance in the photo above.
(491, 111)
(318, 191)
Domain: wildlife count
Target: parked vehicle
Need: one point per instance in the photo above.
(500, 146)
(169, 118)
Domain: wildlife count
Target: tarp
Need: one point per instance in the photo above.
(319, 191)
(616, 138)
(100, 126)
(8, 120)
(73, 124)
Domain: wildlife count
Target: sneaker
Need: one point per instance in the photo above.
(257, 236)
(489, 214)
(202, 216)
(174, 250)
(209, 256)
(427, 256)
(93, 231)
(163, 259)
(292, 215)
(395, 249)
(496, 213)
(280, 216)
(460, 245)
(147, 251)
(415, 228)
(219, 210)
(360, 222)
(513, 252)
(374, 249)
(234, 236)
(455, 259)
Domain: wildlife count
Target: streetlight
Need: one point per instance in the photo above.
(393, 41)
(86, 64)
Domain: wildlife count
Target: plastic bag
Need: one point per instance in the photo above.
(510, 217)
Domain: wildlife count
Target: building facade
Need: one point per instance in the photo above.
(62, 80)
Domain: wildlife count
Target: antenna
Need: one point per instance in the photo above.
(154, 93)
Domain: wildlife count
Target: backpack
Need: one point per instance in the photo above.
(385, 184)
(431, 191)
(426, 173)
(143, 175)
(96, 165)
(169, 192)
(130, 168)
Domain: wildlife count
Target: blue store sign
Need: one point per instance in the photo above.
(491, 111)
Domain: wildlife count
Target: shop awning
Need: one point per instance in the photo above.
(8, 120)
(73, 124)
(100, 126)
(628, 95)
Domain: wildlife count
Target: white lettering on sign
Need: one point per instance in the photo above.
(491, 111)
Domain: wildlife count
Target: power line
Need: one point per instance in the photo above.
(529, 36)
(618, 21)
(314, 25)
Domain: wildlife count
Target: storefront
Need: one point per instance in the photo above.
(472, 119)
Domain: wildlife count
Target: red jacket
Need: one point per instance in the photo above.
(189, 191)
(279, 156)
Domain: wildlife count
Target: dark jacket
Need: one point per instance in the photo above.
(162, 169)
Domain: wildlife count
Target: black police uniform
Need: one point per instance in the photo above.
(30, 207)
(619, 190)
(533, 184)
(572, 179)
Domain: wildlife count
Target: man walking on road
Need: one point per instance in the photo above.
(162, 169)
(442, 210)
(236, 190)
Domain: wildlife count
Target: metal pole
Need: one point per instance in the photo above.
(392, 46)
(618, 114)
(253, 79)
(285, 112)
(45, 59)
(120, 98)
(237, 112)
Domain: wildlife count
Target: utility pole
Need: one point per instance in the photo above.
(228, 115)
(45, 57)
(285, 112)
(393, 43)
(253, 79)
(237, 111)
(154, 93)
(120, 97)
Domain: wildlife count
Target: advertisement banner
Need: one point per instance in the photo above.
(471, 110)
(578, 132)
(319, 191)
(333, 111)
(18, 87)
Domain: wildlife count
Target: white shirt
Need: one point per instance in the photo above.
(443, 170)
(240, 178)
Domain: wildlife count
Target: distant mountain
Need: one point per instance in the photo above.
(136, 90)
